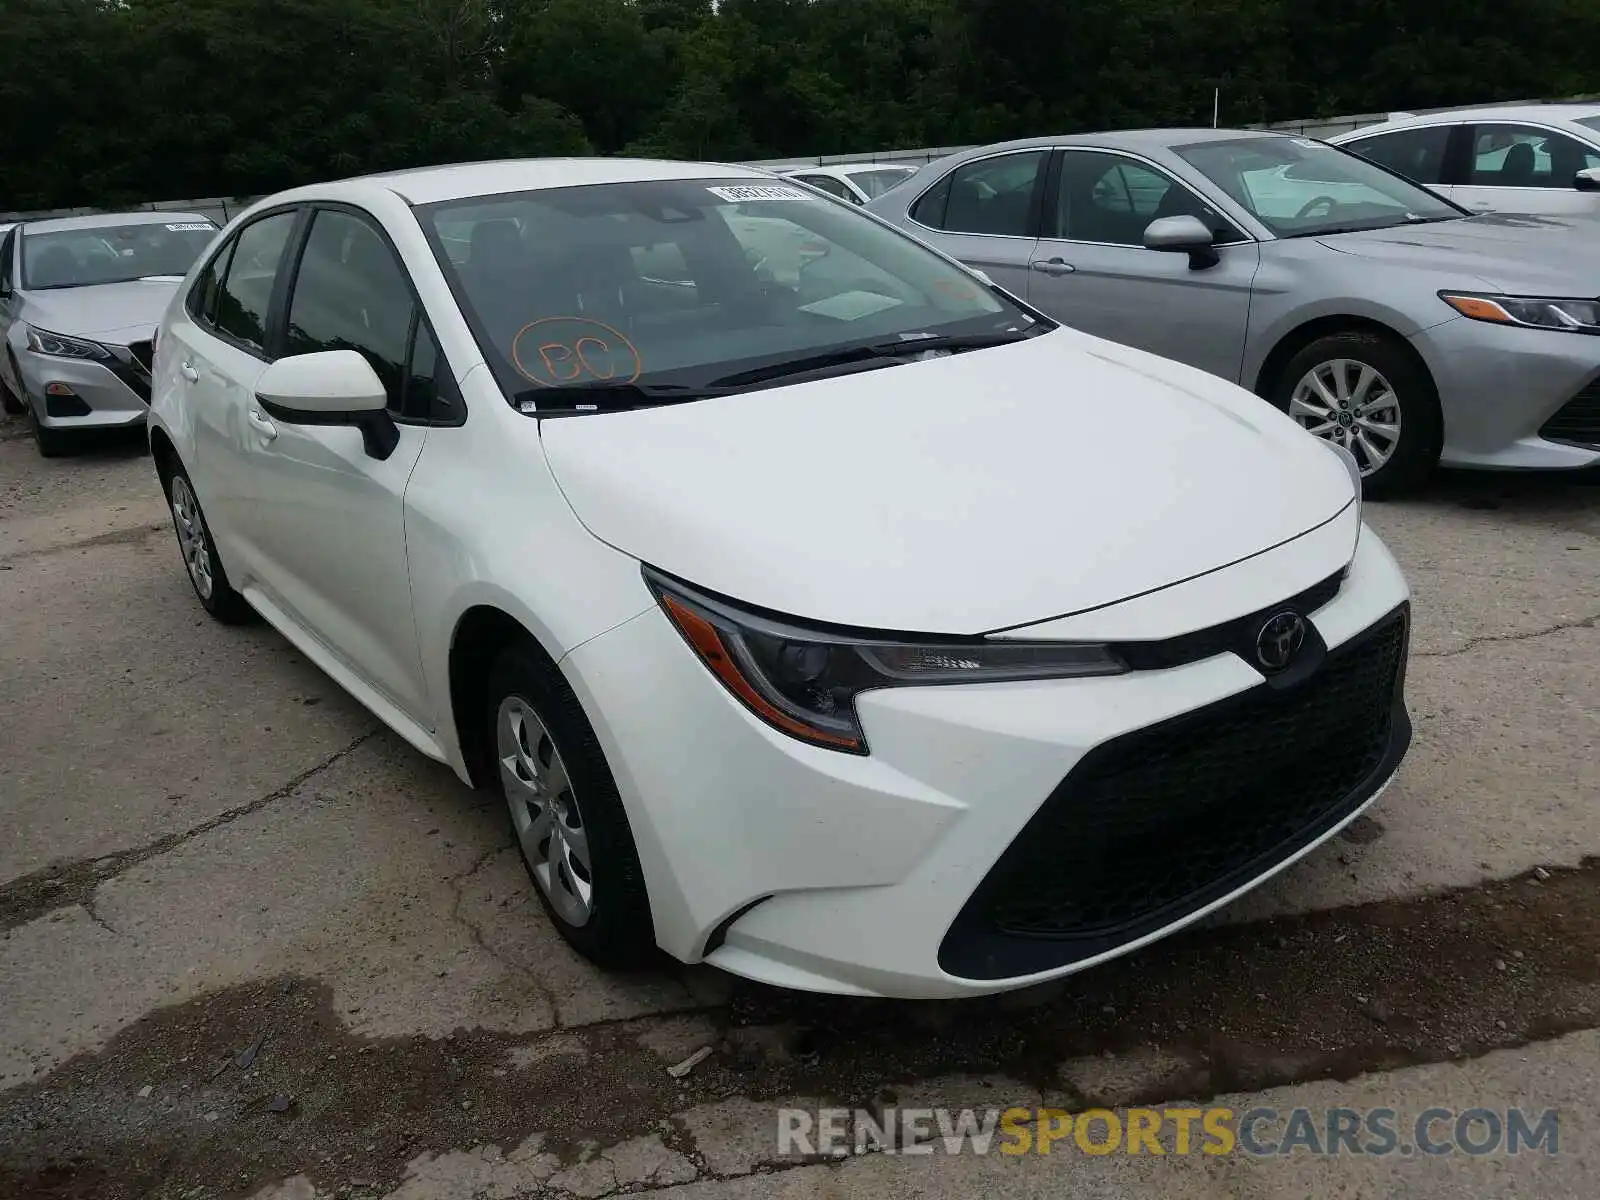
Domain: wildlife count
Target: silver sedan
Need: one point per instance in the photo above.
(1379, 315)
(79, 302)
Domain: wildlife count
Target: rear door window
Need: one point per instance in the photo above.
(1418, 154)
(245, 296)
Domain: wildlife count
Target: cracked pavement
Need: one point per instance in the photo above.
(204, 843)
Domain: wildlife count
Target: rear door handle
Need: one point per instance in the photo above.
(262, 424)
(1052, 266)
(189, 372)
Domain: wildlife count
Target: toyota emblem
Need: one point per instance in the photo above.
(1279, 640)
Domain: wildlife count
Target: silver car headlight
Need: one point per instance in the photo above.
(1534, 312)
(59, 345)
(804, 681)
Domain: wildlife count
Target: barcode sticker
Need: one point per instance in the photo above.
(191, 227)
(757, 191)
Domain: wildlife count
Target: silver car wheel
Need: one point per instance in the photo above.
(544, 811)
(192, 537)
(1351, 403)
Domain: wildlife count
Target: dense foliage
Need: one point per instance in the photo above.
(108, 101)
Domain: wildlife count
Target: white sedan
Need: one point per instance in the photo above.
(864, 632)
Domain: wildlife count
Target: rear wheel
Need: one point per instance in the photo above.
(1370, 395)
(565, 812)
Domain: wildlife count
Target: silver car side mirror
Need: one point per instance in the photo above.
(1186, 235)
(1588, 180)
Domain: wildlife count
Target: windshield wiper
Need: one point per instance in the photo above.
(607, 397)
(870, 355)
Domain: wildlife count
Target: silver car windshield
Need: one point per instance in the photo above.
(880, 179)
(682, 284)
(1298, 187)
(83, 257)
(1591, 122)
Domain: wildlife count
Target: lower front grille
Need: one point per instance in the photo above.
(1578, 420)
(1163, 821)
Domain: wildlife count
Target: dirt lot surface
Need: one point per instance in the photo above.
(253, 945)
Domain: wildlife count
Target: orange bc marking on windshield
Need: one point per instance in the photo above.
(556, 351)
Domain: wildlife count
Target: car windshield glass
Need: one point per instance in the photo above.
(879, 180)
(1298, 187)
(677, 285)
(112, 253)
(1592, 122)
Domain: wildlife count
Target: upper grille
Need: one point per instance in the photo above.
(1237, 635)
(1164, 820)
(1578, 420)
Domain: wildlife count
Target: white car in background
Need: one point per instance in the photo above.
(839, 633)
(1526, 158)
(855, 182)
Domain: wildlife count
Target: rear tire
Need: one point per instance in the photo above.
(565, 812)
(1369, 393)
(200, 558)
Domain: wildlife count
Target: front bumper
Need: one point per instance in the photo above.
(876, 875)
(99, 394)
(1500, 386)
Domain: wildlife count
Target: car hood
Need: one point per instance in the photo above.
(1510, 253)
(115, 312)
(961, 494)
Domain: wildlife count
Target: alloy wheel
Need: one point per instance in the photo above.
(1350, 403)
(544, 811)
(192, 537)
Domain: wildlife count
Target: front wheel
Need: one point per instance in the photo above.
(565, 812)
(52, 443)
(200, 558)
(1367, 393)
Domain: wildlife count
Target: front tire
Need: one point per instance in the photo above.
(565, 812)
(9, 400)
(1368, 393)
(52, 443)
(199, 550)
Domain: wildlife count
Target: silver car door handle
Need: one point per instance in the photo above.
(1052, 266)
(189, 372)
(263, 426)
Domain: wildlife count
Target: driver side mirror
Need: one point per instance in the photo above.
(1588, 180)
(1186, 235)
(330, 387)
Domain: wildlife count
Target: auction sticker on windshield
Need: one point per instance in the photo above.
(757, 191)
(191, 227)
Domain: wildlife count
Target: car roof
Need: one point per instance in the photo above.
(1127, 139)
(1536, 113)
(429, 185)
(107, 220)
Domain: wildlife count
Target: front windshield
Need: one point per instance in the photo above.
(1298, 187)
(880, 179)
(683, 283)
(112, 253)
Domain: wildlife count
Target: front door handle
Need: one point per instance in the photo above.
(1052, 266)
(189, 372)
(262, 424)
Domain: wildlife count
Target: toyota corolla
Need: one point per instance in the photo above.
(853, 627)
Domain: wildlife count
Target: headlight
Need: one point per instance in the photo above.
(805, 681)
(59, 345)
(1535, 312)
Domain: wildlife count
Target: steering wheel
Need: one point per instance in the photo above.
(1316, 202)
